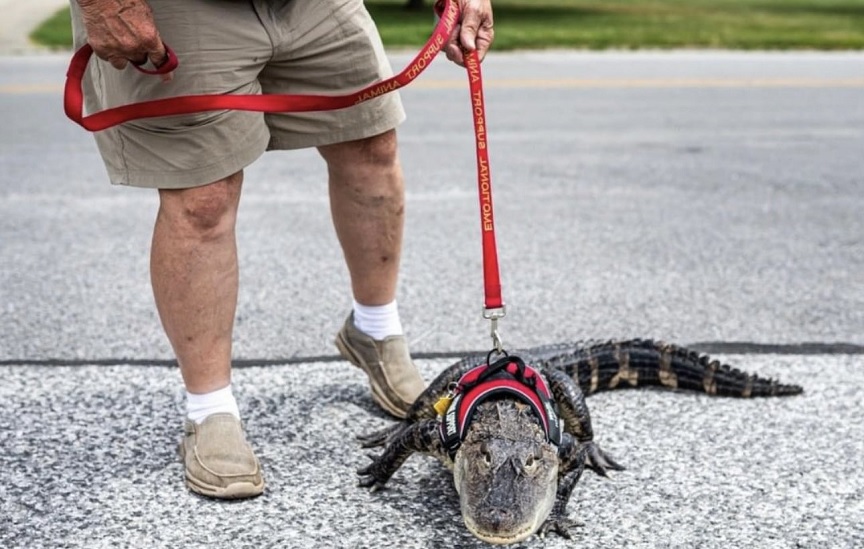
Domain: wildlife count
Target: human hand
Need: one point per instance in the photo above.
(123, 32)
(474, 31)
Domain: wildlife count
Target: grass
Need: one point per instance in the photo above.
(599, 24)
(55, 32)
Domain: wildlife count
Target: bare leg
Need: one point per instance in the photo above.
(367, 201)
(193, 270)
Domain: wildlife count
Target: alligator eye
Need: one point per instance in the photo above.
(533, 460)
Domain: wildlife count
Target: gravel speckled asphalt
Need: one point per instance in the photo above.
(705, 197)
(90, 460)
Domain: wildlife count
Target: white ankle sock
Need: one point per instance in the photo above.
(378, 321)
(199, 407)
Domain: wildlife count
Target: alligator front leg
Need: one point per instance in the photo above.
(571, 457)
(577, 420)
(421, 436)
(558, 521)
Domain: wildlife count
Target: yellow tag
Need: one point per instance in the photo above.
(443, 404)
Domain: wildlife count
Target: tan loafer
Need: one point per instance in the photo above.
(219, 462)
(394, 379)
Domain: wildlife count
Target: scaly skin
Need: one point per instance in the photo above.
(511, 482)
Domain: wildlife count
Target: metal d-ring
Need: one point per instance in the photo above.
(500, 352)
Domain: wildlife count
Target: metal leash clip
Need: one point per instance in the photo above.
(494, 315)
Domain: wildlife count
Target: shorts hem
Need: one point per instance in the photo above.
(228, 165)
(303, 141)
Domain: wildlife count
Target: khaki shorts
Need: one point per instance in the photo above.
(241, 47)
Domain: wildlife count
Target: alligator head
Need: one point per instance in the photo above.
(505, 473)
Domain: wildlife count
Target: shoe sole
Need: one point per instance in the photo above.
(236, 490)
(378, 394)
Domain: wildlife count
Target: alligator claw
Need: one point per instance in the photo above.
(369, 480)
(371, 483)
(370, 476)
(599, 461)
(560, 526)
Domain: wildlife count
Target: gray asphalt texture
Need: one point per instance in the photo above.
(701, 198)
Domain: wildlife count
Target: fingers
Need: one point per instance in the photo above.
(117, 62)
(477, 32)
(485, 36)
(123, 32)
(453, 49)
(159, 56)
(470, 27)
(474, 32)
(156, 56)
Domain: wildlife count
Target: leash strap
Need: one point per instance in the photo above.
(494, 303)
(73, 99)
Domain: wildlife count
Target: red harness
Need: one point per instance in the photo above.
(508, 376)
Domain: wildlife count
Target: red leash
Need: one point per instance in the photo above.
(448, 12)
(494, 303)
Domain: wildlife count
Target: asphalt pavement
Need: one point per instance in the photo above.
(712, 199)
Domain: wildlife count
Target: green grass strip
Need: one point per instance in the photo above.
(55, 32)
(628, 24)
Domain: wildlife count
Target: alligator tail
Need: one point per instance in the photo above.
(614, 365)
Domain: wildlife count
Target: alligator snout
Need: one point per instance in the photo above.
(506, 483)
(496, 518)
(499, 526)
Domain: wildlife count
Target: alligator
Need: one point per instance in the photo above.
(516, 431)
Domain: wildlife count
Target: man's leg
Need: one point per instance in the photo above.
(367, 201)
(193, 268)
